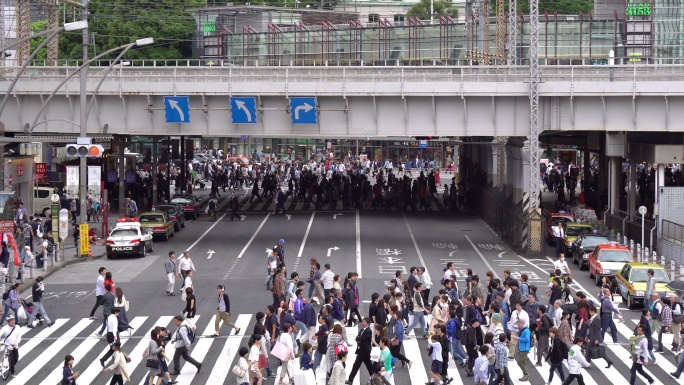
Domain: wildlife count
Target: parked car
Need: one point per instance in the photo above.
(572, 231)
(190, 204)
(129, 237)
(607, 259)
(158, 223)
(583, 245)
(632, 282)
(175, 212)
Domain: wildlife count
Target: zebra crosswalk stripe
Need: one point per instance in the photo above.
(35, 365)
(136, 354)
(198, 353)
(229, 351)
(417, 373)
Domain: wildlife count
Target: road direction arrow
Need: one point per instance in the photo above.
(306, 107)
(330, 250)
(452, 253)
(390, 260)
(501, 254)
(268, 251)
(210, 252)
(175, 106)
(241, 106)
(288, 216)
(335, 215)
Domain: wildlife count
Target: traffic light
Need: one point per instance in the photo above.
(85, 150)
(427, 137)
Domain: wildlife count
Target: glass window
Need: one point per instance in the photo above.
(399, 17)
(373, 17)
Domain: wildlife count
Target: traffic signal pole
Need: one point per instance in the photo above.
(83, 162)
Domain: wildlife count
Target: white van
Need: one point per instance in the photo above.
(41, 200)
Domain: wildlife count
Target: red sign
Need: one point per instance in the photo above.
(41, 170)
(20, 170)
(7, 227)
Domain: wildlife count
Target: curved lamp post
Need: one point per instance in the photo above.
(125, 47)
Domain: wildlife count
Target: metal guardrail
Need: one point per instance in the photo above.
(672, 232)
(454, 74)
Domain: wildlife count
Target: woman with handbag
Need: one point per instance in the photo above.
(241, 369)
(157, 359)
(334, 339)
(122, 304)
(286, 342)
(253, 360)
(68, 375)
(119, 367)
(397, 338)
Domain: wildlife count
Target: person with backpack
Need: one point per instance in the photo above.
(639, 352)
(183, 339)
(11, 298)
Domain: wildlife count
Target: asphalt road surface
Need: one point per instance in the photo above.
(374, 244)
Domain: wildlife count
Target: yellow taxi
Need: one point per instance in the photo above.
(570, 232)
(607, 259)
(632, 281)
(157, 223)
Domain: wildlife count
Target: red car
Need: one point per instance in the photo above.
(553, 220)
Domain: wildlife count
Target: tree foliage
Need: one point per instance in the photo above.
(563, 7)
(37, 27)
(441, 8)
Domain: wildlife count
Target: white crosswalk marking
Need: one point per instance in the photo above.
(624, 356)
(412, 351)
(352, 332)
(29, 371)
(89, 375)
(199, 351)
(137, 353)
(229, 351)
(29, 345)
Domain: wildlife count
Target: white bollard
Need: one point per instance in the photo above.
(672, 270)
(647, 255)
(662, 259)
(618, 238)
(681, 272)
(639, 253)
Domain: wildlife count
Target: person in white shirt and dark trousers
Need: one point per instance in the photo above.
(576, 362)
(99, 291)
(185, 266)
(112, 334)
(11, 336)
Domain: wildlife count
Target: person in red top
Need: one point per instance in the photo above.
(108, 280)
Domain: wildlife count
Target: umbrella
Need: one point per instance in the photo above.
(677, 286)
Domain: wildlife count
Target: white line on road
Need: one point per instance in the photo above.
(358, 244)
(420, 256)
(482, 257)
(501, 254)
(301, 248)
(206, 232)
(253, 235)
(230, 349)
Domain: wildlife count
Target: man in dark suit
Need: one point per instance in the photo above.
(595, 349)
(363, 350)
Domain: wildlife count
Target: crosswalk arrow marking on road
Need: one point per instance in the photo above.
(451, 254)
(210, 252)
(288, 216)
(335, 215)
(330, 250)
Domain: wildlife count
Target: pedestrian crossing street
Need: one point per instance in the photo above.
(42, 351)
(269, 204)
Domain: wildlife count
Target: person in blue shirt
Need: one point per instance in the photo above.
(307, 360)
(68, 375)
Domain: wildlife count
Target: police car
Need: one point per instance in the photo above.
(129, 237)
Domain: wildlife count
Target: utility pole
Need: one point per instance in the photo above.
(52, 8)
(83, 188)
(23, 12)
(512, 32)
(535, 179)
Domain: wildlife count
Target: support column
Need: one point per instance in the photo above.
(122, 178)
(631, 182)
(587, 172)
(183, 168)
(155, 170)
(490, 163)
(615, 185)
(660, 182)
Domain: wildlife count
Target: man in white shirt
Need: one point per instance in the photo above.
(328, 278)
(99, 291)
(451, 270)
(188, 280)
(10, 335)
(517, 314)
(112, 333)
(562, 265)
(185, 265)
(559, 235)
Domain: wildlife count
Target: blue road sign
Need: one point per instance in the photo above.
(303, 110)
(243, 110)
(423, 144)
(177, 109)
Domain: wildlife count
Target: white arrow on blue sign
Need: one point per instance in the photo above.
(303, 110)
(243, 110)
(177, 109)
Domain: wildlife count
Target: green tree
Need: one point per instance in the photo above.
(119, 22)
(441, 8)
(37, 27)
(563, 7)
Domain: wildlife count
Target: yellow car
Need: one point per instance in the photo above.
(632, 282)
(570, 231)
(157, 223)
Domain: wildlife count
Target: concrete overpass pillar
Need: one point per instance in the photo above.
(516, 177)
(631, 180)
(491, 153)
(615, 185)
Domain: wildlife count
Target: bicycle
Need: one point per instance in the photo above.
(4, 361)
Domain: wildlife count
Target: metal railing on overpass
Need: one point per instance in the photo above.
(453, 74)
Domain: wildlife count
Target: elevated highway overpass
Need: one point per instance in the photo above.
(355, 101)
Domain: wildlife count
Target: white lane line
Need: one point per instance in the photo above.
(33, 342)
(199, 351)
(352, 332)
(412, 351)
(306, 236)
(88, 375)
(358, 244)
(413, 239)
(206, 232)
(31, 369)
(482, 257)
(136, 354)
(253, 235)
(230, 349)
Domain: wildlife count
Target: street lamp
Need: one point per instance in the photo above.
(125, 47)
(75, 26)
(642, 210)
